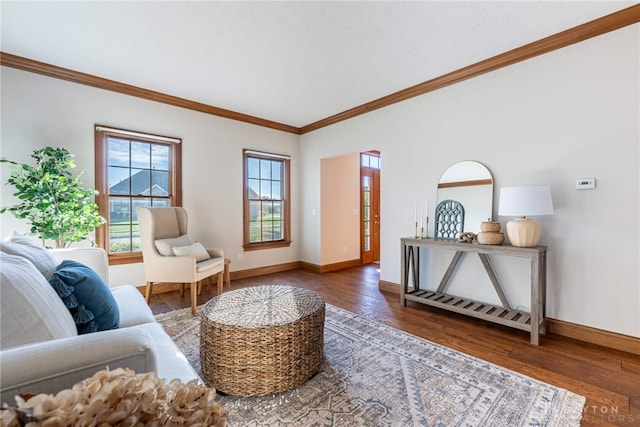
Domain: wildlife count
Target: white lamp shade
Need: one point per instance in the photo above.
(525, 201)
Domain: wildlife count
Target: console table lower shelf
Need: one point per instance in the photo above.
(533, 322)
(492, 313)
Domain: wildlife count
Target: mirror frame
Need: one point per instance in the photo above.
(476, 181)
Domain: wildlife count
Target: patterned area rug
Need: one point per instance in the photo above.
(376, 375)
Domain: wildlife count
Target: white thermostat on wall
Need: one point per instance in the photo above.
(585, 183)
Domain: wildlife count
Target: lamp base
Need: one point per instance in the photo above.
(524, 232)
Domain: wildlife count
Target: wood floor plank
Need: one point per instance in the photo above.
(604, 376)
(567, 364)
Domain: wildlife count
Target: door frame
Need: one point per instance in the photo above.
(373, 174)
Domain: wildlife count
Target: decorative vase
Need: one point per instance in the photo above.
(490, 234)
(490, 226)
(490, 238)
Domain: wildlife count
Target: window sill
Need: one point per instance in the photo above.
(128, 258)
(266, 245)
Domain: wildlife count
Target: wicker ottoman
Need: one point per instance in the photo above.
(261, 340)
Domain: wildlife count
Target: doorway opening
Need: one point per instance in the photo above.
(370, 207)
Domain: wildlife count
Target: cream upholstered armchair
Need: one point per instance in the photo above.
(170, 256)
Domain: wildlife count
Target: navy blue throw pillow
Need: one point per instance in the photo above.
(87, 297)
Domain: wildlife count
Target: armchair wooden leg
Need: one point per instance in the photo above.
(147, 292)
(220, 283)
(181, 289)
(194, 297)
(227, 275)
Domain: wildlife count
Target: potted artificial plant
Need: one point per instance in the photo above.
(54, 202)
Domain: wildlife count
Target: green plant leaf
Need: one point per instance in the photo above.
(55, 203)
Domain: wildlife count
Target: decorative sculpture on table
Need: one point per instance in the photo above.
(467, 237)
(449, 219)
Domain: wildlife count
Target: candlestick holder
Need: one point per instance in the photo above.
(426, 230)
(416, 236)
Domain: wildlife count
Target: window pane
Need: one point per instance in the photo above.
(265, 169)
(276, 190)
(160, 183)
(160, 157)
(366, 213)
(255, 231)
(120, 238)
(140, 182)
(253, 168)
(118, 152)
(265, 189)
(136, 244)
(277, 230)
(119, 210)
(366, 243)
(277, 210)
(276, 170)
(140, 155)
(138, 203)
(254, 189)
(265, 212)
(370, 161)
(118, 180)
(367, 200)
(267, 230)
(160, 203)
(365, 183)
(254, 210)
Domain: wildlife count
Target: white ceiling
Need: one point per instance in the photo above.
(292, 62)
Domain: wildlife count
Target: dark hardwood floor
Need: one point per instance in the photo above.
(609, 379)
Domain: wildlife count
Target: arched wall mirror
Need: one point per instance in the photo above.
(471, 185)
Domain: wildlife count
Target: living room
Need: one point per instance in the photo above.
(545, 121)
(548, 120)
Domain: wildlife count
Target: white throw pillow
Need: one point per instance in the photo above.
(24, 246)
(195, 250)
(31, 311)
(164, 245)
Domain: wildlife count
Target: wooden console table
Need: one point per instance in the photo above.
(534, 322)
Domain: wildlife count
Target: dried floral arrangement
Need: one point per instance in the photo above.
(120, 397)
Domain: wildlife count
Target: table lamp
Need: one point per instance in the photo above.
(523, 202)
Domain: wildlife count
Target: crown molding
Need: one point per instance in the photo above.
(612, 22)
(54, 71)
(608, 23)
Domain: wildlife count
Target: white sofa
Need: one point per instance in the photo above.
(41, 349)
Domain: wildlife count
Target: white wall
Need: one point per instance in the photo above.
(568, 114)
(39, 111)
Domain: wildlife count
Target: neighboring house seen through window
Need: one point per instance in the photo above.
(133, 169)
(267, 218)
